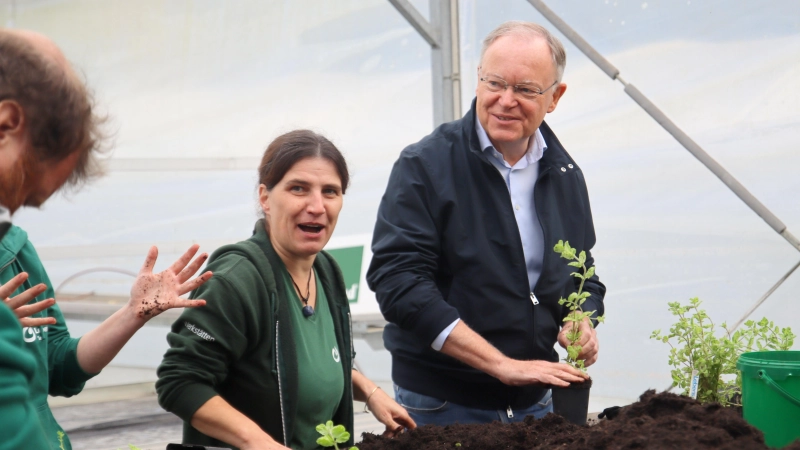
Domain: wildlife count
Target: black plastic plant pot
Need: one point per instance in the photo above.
(572, 402)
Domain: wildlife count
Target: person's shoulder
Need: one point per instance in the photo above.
(17, 248)
(446, 140)
(15, 240)
(556, 155)
(232, 261)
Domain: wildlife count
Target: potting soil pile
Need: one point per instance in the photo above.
(656, 421)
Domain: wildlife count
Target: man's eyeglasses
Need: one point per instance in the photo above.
(497, 84)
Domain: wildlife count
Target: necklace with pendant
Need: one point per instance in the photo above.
(308, 311)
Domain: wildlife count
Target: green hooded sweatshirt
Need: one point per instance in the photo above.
(20, 425)
(55, 352)
(240, 346)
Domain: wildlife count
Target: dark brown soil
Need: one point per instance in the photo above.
(656, 421)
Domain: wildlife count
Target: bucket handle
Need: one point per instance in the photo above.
(764, 376)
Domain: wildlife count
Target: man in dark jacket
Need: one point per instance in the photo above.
(463, 266)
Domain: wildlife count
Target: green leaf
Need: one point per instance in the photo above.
(573, 351)
(325, 441)
(559, 247)
(340, 434)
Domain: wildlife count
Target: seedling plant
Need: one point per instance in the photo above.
(333, 435)
(697, 351)
(575, 302)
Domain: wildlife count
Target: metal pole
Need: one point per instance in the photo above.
(416, 20)
(455, 57)
(659, 116)
(763, 298)
(442, 61)
(442, 35)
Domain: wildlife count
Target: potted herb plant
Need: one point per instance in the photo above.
(572, 402)
(704, 360)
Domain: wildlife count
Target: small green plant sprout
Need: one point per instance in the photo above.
(698, 354)
(575, 302)
(333, 435)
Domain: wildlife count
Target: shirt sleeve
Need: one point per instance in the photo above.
(438, 343)
(593, 285)
(204, 343)
(406, 251)
(67, 377)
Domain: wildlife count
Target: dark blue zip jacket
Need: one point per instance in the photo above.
(446, 246)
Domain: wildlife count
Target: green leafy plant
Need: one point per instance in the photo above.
(575, 302)
(697, 350)
(333, 435)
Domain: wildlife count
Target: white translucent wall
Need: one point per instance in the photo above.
(218, 80)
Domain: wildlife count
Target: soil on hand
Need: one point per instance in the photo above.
(656, 421)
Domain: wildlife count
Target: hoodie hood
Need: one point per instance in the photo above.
(11, 245)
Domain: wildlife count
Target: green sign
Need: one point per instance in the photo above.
(349, 259)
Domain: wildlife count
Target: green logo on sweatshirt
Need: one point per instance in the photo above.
(349, 259)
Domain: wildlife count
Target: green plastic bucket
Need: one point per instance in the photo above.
(771, 394)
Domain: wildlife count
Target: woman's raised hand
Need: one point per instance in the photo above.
(154, 293)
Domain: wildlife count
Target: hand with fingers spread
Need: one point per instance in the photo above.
(151, 294)
(154, 293)
(19, 304)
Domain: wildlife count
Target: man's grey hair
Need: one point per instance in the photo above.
(518, 27)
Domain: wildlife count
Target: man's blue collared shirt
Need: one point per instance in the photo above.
(520, 180)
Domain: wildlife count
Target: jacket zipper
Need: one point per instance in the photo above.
(544, 237)
(352, 351)
(352, 348)
(280, 387)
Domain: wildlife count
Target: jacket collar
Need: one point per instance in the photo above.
(555, 156)
(327, 274)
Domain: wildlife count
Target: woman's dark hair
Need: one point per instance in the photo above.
(287, 149)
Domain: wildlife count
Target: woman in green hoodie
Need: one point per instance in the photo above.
(271, 354)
